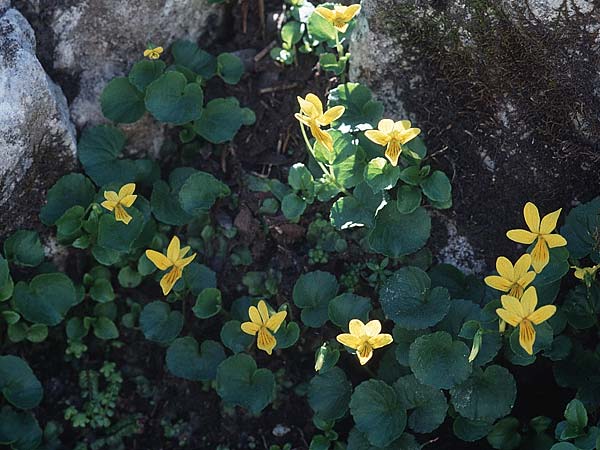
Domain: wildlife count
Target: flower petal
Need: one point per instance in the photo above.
(265, 340)
(357, 328)
(121, 215)
(316, 102)
(185, 261)
(373, 328)
(325, 13)
(386, 126)
(522, 265)
(364, 353)
(378, 137)
(126, 190)
(348, 340)
(158, 259)
(542, 314)
(173, 249)
(498, 283)
(529, 301)
(532, 217)
(276, 320)
(555, 240)
(322, 137)
(111, 195)
(527, 336)
(303, 119)
(255, 315)
(392, 152)
(526, 279)
(540, 257)
(250, 328)
(521, 236)
(264, 311)
(505, 268)
(128, 200)
(513, 305)
(381, 340)
(349, 13)
(402, 125)
(109, 204)
(409, 135)
(332, 114)
(549, 221)
(508, 317)
(168, 281)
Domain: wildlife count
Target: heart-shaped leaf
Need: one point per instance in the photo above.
(186, 360)
(171, 99)
(159, 323)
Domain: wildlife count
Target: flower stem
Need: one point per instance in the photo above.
(312, 152)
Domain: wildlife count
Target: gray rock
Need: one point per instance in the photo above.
(507, 94)
(37, 139)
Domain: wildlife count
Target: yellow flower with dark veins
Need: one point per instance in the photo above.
(339, 16)
(392, 135)
(174, 259)
(540, 231)
(312, 115)
(512, 279)
(263, 324)
(364, 338)
(153, 53)
(522, 313)
(118, 202)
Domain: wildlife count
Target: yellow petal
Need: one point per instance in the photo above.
(341, 28)
(505, 268)
(386, 126)
(373, 328)
(549, 221)
(527, 336)
(409, 135)
(381, 340)
(126, 190)
(532, 217)
(276, 320)
(516, 291)
(554, 240)
(265, 340)
(128, 200)
(522, 265)
(542, 314)
(255, 315)
(498, 283)
(185, 261)
(159, 50)
(392, 152)
(111, 195)
(521, 236)
(526, 279)
(349, 13)
(109, 204)
(402, 125)
(357, 328)
(303, 119)
(508, 317)
(332, 114)
(378, 137)
(322, 137)
(183, 251)
(326, 13)
(513, 305)
(158, 259)
(348, 340)
(364, 353)
(529, 301)
(263, 311)
(173, 249)
(121, 215)
(250, 328)
(168, 281)
(316, 102)
(540, 257)
(147, 52)
(307, 108)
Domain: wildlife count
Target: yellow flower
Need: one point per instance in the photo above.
(586, 274)
(174, 258)
(263, 324)
(392, 135)
(118, 202)
(364, 338)
(311, 114)
(540, 231)
(153, 53)
(339, 16)
(511, 279)
(522, 313)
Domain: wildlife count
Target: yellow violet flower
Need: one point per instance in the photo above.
(392, 135)
(263, 324)
(174, 258)
(540, 231)
(153, 53)
(118, 202)
(312, 115)
(364, 338)
(522, 313)
(512, 279)
(339, 16)
(586, 274)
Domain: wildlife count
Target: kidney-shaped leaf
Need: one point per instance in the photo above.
(159, 323)
(18, 383)
(427, 405)
(185, 360)
(171, 99)
(329, 394)
(312, 294)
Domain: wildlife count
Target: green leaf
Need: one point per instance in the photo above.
(437, 187)
(234, 338)
(320, 29)
(102, 291)
(470, 430)
(229, 68)
(505, 434)
(208, 303)
(486, 396)
(291, 33)
(576, 414)
(409, 199)
(403, 339)
(396, 234)
(145, 72)
(70, 190)
(300, 178)
(129, 277)
(19, 429)
(46, 299)
(159, 323)
(171, 99)
(199, 277)
(346, 307)
(119, 236)
(428, 404)
(76, 329)
(408, 299)
(239, 382)
(438, 361)
(329, 394)
(105, 328)
(563, 446)
(18, 384)
(24, 248)
(348, 164)
(380, 175)
(187, 54)
(359, 441)
(580, 230)
(326, 357)
(200, 192)
(6, 283)
(312, 293)
(356, 210)
(121, 102)
(166, 207)
(287, 335)
(378, 412)
(292, 207)
(185, 360)
(361, 110)
(221, 120)
(543, 341)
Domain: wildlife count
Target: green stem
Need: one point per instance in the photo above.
(341, 54)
